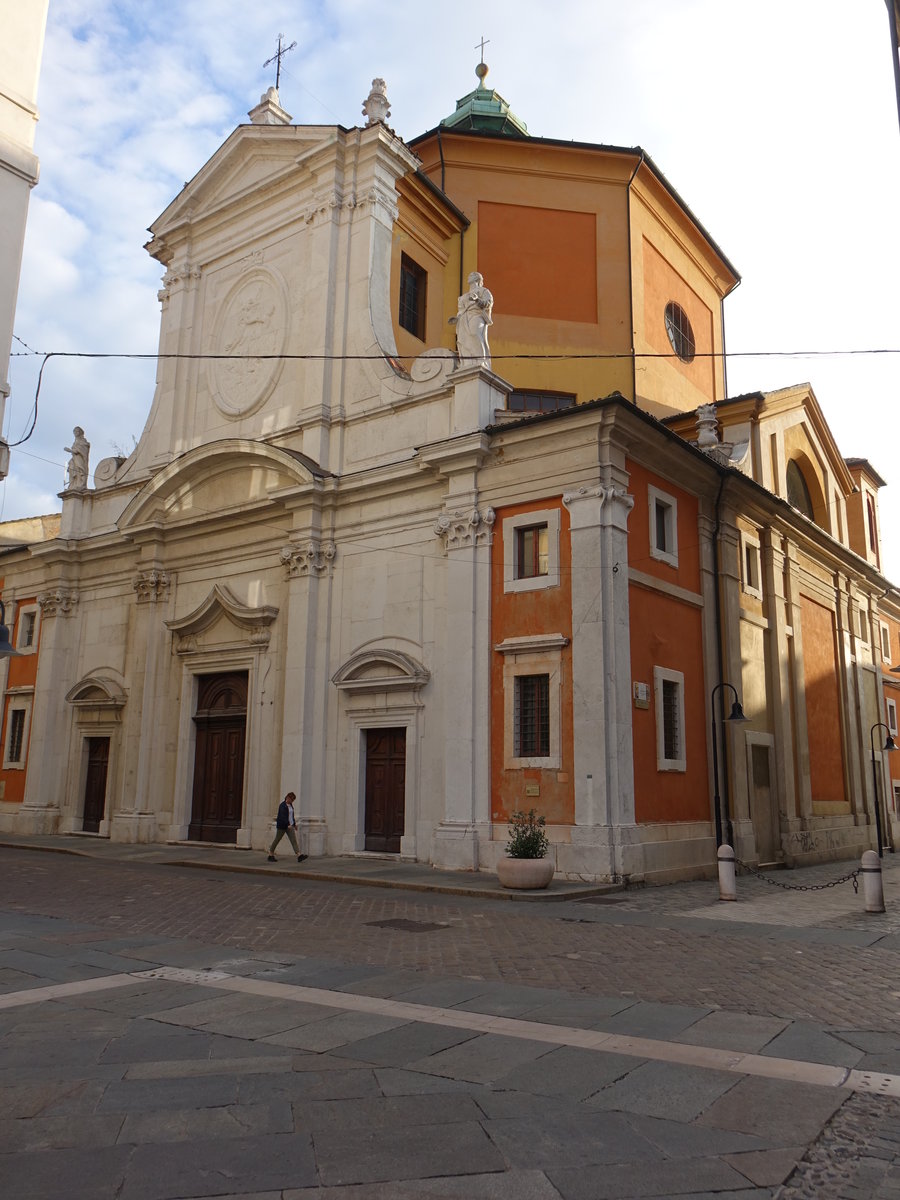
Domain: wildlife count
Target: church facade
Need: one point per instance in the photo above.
(425, 585)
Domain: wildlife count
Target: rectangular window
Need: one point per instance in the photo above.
(16, 735)
(892, 717)
(539, 402)
(885, 642)
(532, 551)
(532, 716)
(413, 287)
(750, 566)
(663, 526)
(668, 689)
(26, 629)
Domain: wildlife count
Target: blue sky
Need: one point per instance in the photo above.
(776, 123)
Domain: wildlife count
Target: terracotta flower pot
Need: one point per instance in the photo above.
(524, 873)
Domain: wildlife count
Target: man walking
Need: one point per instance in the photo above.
(286, 823)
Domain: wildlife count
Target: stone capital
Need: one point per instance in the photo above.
(151, 585)
(310, 558)
(598, 506)
(58, 602)
(458, 530)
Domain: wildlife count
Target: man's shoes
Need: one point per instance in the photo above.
(272, 858)
(302, 857)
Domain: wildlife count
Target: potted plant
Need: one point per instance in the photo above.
(526, 864)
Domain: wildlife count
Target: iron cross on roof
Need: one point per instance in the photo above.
(481, 45)
(277, 57)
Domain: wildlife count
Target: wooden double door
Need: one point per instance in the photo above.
(221, 731)
(385, 789)
(95, 784)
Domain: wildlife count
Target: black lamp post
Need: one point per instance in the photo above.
(736, 714)
(888, 745)
(6, 646)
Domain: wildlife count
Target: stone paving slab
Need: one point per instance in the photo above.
(193, 1124)
(95, 1173)
(650, 1179)
(784, 1114)
(508, 1185)
(656, 1089)
(483, 1059)
(377, 1155)
(220, 1167)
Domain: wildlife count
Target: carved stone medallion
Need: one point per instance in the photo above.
(252, 321)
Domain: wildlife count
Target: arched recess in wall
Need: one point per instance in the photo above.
(804, 492)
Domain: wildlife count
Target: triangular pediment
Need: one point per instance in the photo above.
(229, 476)
(254, 159)
(796, 410)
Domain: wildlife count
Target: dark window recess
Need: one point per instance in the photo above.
(681, 335)
(28, 624)
(413, 288)
(797, 491)
(539, 402)
(531, 552)
(532, 715)
(671, 729)
(16, 735)
(663, 518)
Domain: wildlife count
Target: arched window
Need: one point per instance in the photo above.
(798, 491)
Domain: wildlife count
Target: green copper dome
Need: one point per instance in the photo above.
(485, 110)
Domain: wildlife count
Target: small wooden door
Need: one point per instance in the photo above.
(95, 784)
(221, 724)
(385, 789)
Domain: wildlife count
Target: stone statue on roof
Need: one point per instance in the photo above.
(473, 316)
(77, 470)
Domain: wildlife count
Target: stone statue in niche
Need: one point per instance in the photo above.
(77, 470)
(473, 316)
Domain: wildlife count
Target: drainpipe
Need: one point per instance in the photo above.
(726, 805)
(640, 162)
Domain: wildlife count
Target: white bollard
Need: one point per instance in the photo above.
(873, 888)
(727, 889)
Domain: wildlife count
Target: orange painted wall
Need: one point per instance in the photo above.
(518, 614)
(560, 283)
(662, 283)
(22, 673)
(666, 632)
(823, 714)
(687, 573)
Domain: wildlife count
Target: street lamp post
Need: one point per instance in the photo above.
(736, 714)
(889, 746)
(6, 647)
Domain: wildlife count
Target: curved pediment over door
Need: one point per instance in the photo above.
(233, 475)
(377, 670)
(222, 622)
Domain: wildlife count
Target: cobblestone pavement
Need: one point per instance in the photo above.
(166, 1087)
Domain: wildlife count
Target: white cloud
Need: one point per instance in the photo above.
(777, 124)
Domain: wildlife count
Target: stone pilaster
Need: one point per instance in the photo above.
(601, 671)
(48, 744)
(466, 535)
(779, 667)
(309, 564)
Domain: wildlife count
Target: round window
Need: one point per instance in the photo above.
(681, 335)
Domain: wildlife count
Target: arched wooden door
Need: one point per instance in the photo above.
(221, 725)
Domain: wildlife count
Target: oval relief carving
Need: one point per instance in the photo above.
(252, 321)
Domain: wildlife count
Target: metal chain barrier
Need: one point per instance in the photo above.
(851, 877)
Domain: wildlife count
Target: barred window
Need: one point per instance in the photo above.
(413, 286)
(671, 720)
(532, 716)
(16, 735)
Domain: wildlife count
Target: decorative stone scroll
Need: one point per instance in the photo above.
(460, 529)
(58, 602)
(312, 558)
(614, 501)
(151, 585)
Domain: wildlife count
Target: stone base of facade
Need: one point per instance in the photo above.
(455, 847)
(32, 822)
(139, 828)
